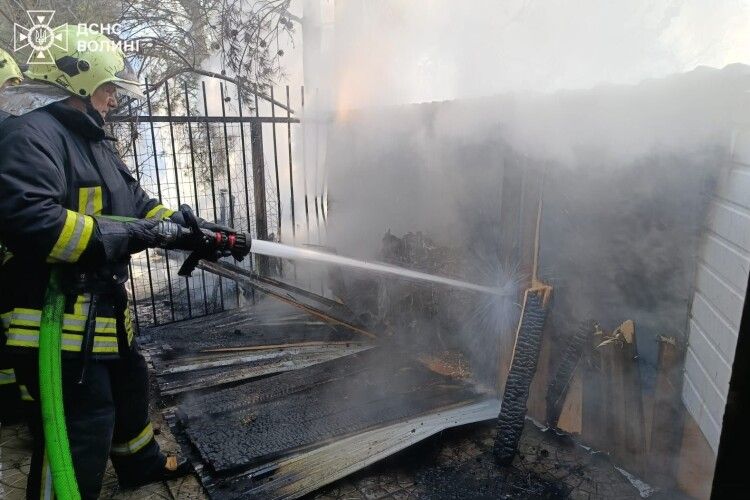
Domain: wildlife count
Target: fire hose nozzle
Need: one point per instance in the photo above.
(210, 244)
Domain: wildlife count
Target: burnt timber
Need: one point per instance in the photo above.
(309, 425)
(245, 343)
(287, 435)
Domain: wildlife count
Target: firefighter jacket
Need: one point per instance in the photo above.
(57, 170)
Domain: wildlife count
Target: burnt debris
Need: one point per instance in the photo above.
(523, 366)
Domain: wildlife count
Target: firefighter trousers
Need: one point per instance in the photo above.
(10, 397)
(106, 416)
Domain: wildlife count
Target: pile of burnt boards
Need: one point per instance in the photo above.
(281, 398)
(273, 402)
(287, 435)
(270, 337)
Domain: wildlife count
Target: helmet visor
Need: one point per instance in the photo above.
(127, 81)
(130, 89)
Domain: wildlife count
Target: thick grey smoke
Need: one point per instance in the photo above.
(628, 174)
(625, 108)
(619, 104)
(395, 52)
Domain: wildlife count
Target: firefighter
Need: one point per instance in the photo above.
(10, 408)
(69, 204)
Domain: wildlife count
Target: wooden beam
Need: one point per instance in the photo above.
(667, 415)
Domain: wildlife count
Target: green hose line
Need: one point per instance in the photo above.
(51, 394)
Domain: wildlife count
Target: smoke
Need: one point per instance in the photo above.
(396, 52)
(619, 107)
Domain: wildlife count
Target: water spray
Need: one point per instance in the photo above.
(212, 243)
(272, 249)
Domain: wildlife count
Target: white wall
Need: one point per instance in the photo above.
(721, 283)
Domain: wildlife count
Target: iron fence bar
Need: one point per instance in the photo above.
(229, 174)
(211, 176)
(226, 156)
(204, 119)
(315, 177)
(304, 168)
(276, 168)
(259, 183)
(245, 186)
(195, 186)
(324, 197)
(134, 139)
(151, 287)
(135, 302)
(244, 158)
(177, 183)
(291, 172)
(158, 186)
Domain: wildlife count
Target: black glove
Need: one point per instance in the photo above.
(179, 218)
(115, 240)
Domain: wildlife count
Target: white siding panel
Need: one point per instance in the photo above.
(741, 147)
(712, 398)
(720, 288)
(718, 292)
(712, 361)
(693, 402)
(717, 328)
(697, 408)
(735, 187)
(731, 222)
(729, 261)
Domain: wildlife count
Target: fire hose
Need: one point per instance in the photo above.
(56, 441)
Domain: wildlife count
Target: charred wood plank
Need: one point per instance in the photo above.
(387, 390)
(561, 381)
(242, 277)
(245, 396)
(594, 393)
(668, 414)
(512, 415)
(623, 404)
(286, 360)
(304, 474)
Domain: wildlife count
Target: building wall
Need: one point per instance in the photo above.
(721, 283)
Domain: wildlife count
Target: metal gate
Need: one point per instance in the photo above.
(207, 145)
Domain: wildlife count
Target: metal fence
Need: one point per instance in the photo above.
(209, 146)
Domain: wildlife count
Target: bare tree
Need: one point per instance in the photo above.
(179, 37)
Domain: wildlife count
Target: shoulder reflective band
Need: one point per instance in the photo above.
(73, 239)
(135, 444)
(159, 212)
(90, 200)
